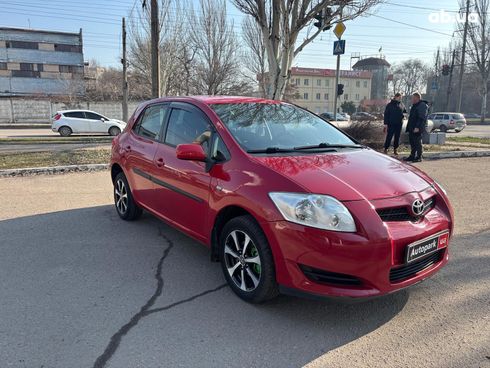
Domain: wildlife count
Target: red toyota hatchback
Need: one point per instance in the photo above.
(284, 200)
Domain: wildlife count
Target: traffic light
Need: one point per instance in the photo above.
(319, 18)
(322, 19)
(446, 69)
(340, 89)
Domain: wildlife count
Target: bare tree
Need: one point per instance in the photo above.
(479, 48)
(213, 39)
(281, 22)
(172, 39)
(410, 76)
(255, 56)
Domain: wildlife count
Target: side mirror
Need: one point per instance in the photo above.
(191, 152)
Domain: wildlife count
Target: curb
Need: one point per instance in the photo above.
(455, 154)
(25, 126)
(53, 170)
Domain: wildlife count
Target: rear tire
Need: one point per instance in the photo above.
(114, 131)
(443, 128)
(65, 131)
(247, 261)
(126, 207)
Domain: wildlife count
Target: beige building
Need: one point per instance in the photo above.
(315, 88)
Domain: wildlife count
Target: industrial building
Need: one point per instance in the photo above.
(379, 68)
(40, 63)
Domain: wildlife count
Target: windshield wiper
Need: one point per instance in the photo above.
(271, 150)
(328, 145)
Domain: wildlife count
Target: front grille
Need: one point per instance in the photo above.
(407, 271)
(403, 213)
(326, 277)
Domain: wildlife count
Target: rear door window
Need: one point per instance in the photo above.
(75, 114)
(150, 124)
(446, 117)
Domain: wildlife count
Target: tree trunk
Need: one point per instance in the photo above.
(484, 101)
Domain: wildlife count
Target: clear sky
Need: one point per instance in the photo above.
(101, 24)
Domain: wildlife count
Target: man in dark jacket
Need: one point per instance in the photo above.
(393, 120)
(416, 126)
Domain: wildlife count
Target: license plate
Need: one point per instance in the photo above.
(427, 246)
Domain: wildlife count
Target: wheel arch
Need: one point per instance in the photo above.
(223, 216)
(64, 126)
(113, 126)
(115, 169)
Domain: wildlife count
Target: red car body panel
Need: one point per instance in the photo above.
(190, 199)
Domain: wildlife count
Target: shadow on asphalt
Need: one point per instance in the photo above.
(84, 288)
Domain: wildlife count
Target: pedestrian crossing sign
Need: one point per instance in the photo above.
(339, 47)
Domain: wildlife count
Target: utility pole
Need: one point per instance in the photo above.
(436, 78)
(463, 53)
(125, 74)
(155, 62)
(449, 85)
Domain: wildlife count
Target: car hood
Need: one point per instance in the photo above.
(348, 176)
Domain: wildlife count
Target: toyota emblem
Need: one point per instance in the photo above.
(417, 207)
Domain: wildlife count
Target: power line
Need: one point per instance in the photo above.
(408, 24)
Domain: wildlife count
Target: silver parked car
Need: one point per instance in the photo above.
(444, 121)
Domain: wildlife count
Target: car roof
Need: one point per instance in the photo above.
(78, 110)
(443, 112)
(211, 100)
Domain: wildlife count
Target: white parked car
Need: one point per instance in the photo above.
(67, 122)
(445, 121)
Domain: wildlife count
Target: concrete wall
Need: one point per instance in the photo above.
(31, 111)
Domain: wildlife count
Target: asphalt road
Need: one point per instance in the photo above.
(81, 288)
(478, 131)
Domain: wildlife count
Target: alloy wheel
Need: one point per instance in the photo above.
(121, 196)
(242, 260)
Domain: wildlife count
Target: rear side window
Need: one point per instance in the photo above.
(75, 114)
(151, 122)
(186, 126)
(446, 117)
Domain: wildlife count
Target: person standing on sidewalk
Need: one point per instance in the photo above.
(416, 126)
(393, 121)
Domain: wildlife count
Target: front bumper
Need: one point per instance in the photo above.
(367, 256)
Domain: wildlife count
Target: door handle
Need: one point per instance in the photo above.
(160, 162)
(127, 148)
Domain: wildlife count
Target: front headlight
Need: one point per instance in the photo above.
(314, 210)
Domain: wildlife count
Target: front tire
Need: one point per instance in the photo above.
(114, 131)
(126, 207)
(247, 261)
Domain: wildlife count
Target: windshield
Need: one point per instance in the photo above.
(259, 126)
